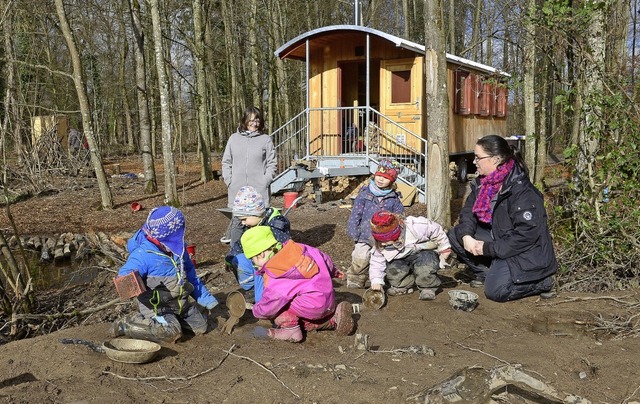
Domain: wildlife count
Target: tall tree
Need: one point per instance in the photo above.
(85, 108)
(529, 89)
(588, 140)
(170, 189)
(204, 140)
(142, 96)
(438, 203)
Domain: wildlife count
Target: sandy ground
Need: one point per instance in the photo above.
(413, 345)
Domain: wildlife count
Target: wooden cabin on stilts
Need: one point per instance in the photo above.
(365, 101)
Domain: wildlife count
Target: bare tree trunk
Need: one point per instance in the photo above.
(406, 26)
(452, 27)
(218, 118)
(282, 82)
(475, 32)
(439, 192)
(254, 51)
(85, 109)
(128, 125)
(9, 99)
(232, 55)
(588, 144)
(142, 96)
(528, 89)
(204, 144)
(170, 191)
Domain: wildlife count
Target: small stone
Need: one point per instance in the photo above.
(341, 367)
(582, 375)
(341, 349)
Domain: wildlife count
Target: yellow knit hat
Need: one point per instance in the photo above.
(256, 240)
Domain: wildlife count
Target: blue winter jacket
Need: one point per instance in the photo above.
(364, 207)
(168, 290)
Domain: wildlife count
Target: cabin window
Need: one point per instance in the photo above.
(400, 86)
(501, 101)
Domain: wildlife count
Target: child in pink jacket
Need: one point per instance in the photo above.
(408, 252)
(298, 289)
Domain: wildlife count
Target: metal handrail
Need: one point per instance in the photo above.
(342, 132)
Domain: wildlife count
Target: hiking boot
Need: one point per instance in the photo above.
(428, 294)
(343, 320)
(117, 329)
(394, 291)
(477, 283)
(291, 334)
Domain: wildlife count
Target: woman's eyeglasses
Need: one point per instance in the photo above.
(256, 120)
(476, 158)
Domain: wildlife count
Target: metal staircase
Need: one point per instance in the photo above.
(347, 141)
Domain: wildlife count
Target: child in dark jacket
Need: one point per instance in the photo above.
(379, 194)
(157, 252)
(298, 289)
(249, 209)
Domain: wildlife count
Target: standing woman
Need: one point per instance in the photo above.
(502, 233)
(249, 159)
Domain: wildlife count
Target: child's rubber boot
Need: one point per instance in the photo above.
(291, 334)
(343, 319)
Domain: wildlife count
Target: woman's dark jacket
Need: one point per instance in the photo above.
(518, 227)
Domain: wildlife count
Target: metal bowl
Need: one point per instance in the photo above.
(463, 300)
(374, 299)
(128, 350)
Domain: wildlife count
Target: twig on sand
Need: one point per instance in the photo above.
(174, 379)
(585, 299)
(265, 368)
(626, 400)
(75, 313)
(482, 352)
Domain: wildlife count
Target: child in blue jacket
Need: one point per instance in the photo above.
(157, 252)
(379, 194)
(249, 209)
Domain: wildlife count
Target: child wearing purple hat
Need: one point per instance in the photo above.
(157, 252)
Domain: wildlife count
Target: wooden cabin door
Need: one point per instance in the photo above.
(401, 98)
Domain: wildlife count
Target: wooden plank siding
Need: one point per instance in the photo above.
(328, 62)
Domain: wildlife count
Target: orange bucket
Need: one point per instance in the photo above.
(289, 198)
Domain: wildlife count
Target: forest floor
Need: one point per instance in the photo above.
(568, 343)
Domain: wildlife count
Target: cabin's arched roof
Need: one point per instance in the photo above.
(318, 38)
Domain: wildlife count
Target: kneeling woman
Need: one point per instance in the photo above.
(502, 233)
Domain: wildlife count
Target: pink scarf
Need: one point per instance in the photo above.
(489, 187)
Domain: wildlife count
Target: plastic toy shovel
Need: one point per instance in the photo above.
(237, 306)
